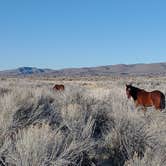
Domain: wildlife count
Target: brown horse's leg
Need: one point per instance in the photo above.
(144, 110)
(158, 108)
(136, 103)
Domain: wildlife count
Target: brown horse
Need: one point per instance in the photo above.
(146, 99)
(58, 87)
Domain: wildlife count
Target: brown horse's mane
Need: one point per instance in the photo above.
(134, 91)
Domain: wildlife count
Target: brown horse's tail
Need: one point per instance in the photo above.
(162, 102)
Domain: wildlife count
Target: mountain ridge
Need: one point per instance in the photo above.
(108, 70)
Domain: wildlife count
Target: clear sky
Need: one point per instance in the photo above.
(75, 33)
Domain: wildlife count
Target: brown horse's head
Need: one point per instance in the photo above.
(128, 90)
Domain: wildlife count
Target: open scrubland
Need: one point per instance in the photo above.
(91, 123)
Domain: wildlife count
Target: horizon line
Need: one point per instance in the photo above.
(46, 68)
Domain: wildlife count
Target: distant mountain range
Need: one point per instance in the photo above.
(110, 70)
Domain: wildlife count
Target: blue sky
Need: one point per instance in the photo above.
(75, 33)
